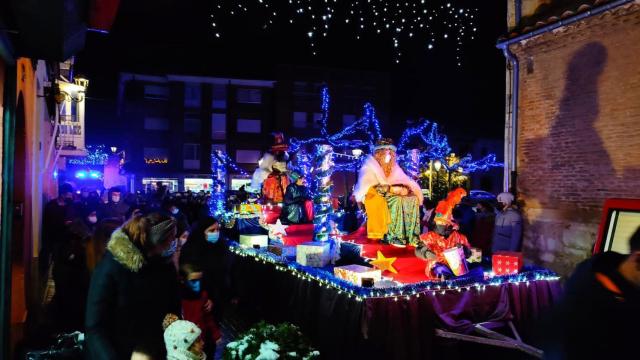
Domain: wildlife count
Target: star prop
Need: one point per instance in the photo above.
(278, 228)
(384, 263)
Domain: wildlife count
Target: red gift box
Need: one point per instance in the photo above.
(506, 262)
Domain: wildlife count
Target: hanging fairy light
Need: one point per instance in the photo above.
(401, 20)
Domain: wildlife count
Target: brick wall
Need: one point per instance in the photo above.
(579, 131)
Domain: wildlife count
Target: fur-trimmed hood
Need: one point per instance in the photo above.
(371, 174)
(125, 252)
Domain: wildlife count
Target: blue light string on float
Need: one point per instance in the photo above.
(323, 187)
(327, 279)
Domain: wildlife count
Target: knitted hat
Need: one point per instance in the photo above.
(506, 198)
(178, 338)
(384, 143)
(160, 231)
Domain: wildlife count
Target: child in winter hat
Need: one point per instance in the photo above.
(182, 339)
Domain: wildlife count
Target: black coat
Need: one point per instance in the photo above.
(598, 316)
(128, 298)
(293, 211)
(214, 260)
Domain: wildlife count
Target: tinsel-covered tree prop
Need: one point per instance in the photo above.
(323, 188)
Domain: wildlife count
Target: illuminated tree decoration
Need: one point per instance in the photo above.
(219, 186)
(96, 155)
(436, 147)
(427, 21)
(323, 187)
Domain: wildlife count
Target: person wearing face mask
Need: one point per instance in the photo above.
(116, 207)
(197, 307)
(507, 231)
(206, 248)
(132, 289)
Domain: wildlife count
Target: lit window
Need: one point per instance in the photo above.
(191, 156)
(156, 92)
(155, 123)
(317, 120)
(219, 96)
(218, 126)
(249, 96)
(192, 95)
(249, 126)
(299, 120)
(191, 125)
(247, 156)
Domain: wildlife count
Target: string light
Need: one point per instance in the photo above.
(398, 20)
(408, 291)
(96, 155)
(323, 187)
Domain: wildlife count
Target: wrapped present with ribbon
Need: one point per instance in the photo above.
(315, 254)
(456, 260)
(356, 273)
(507, 262)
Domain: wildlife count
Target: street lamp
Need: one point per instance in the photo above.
(114, 149)
(437, 165)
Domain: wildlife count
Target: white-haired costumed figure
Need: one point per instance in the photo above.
(392, 199)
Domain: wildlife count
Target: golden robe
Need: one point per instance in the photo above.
(378, 216)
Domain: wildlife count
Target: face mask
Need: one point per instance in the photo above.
(115, 199)
(93, 219)
(175, 211)
(194, 285)
(213, 237)
(171, 250)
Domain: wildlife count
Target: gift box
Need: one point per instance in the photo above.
(282, 250)
(476, 255)
(355, 273)
(506, 262)
(456, 260)
(248, 208)
(315, 253)
(253, 240)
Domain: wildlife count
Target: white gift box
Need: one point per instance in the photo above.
(315, 254)
(249, 241)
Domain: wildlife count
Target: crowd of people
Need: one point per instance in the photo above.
(122, 262)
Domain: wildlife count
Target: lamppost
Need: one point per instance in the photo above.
(436, 165)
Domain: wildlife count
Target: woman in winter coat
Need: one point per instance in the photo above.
(132, 289)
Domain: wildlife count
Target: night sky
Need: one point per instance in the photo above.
(171, 36)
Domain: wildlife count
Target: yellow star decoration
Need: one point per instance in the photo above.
(384, 263)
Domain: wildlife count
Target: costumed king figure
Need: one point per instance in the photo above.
(391, 198)
(298, 206)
